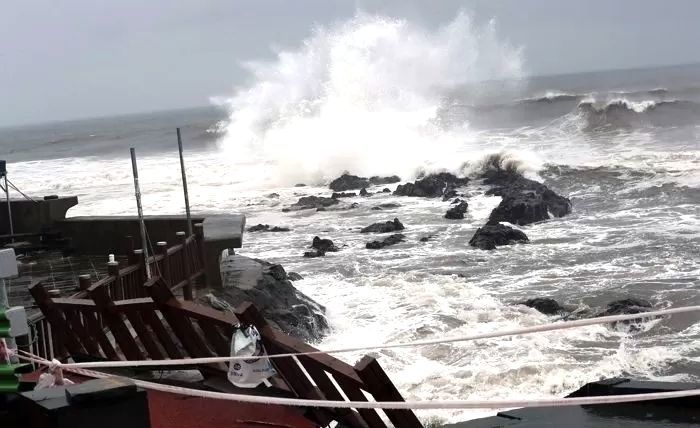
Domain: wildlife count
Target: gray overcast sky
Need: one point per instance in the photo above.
(64, 59)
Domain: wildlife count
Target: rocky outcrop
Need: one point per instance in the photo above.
(457, 212)
(626, 306)
(545, 305)
(524, 201)
(385, 227)
(269, 288)
(391, 240)
(432, 186)
(267, 228)
(388, 206)
(378, 181)
(348, 182)
(363, 192)
(293, 276)
(493, 235)
(320, 247)
(338, 195)
(311, 202)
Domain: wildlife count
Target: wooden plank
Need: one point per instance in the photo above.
(152, 319)
(96, 331)
(181, 325)
(330, 391)
(220, 345)
(75, 325)
(112, 318)
(382, 389)
(200, 312)
(144, 335)
(61, 335)
(370, 416)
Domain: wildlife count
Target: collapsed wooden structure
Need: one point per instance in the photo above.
(126, 316)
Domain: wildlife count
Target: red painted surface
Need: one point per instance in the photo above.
(181, 411)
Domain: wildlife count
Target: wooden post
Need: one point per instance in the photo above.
(84, 282)
(164, 270)
(184, 259)
(138, 256)
(200, 255)
(142, 225)
(55, 317)
(128, 245)
(382, 389)
(117, 291)
(184, 183)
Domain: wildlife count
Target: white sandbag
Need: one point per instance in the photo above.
(249, 373)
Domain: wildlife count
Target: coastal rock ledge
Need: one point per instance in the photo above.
(269, 288)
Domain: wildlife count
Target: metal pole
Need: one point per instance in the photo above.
(184, 184)
(9, 208)
(142, 225)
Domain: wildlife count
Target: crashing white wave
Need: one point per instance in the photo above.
(364, 96)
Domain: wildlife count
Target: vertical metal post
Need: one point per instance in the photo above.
(9, 208)
(184, 184)
(142, 225)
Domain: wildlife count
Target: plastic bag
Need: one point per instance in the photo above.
(249, 373)
(47, 380)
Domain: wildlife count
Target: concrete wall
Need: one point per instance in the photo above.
(31, 217)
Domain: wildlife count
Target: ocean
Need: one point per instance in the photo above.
(378, 96)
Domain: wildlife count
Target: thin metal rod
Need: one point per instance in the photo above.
(184, 184)
(9, 208)
(142, 225)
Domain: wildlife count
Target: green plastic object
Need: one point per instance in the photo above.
(4, 324)
(9, 382)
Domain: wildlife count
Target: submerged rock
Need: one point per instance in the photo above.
(427, 238)
(378, 181)
(300, 185)
(432, 186)
(324, 245)
(385, 227)
(338, 195)
(627, 306)
(457, 212)
(545, 305)
(269, 288)
(267, 228)
(391, 240)
(311, 202)
(386, 190)
(273, 195)
(493, 235)
(524, 201)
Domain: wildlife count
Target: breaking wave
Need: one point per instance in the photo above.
(364, 96)
(624, 113)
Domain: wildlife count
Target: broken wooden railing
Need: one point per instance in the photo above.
(181, 266)
(162, 326)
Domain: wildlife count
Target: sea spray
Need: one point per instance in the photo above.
(364, 96)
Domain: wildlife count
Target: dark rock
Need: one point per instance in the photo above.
(385, 227)
(376, 208)
(267, 228)
(627, 306)
(315, 253)
(545, 305)
(300, 185)
(386, 190)
(311, 202)
(348, 182)
(323, 245)
(426, 238)
(391, 240)
(457, 212)
(432, 186)
(293, 276)
(456, 201)
(272, 196)
(377, 181)
(492, 235)
(363, 192)
(338, 195)
(524, 201)
(269, 288)
(449, 193)
(389, 206)
(353, 205)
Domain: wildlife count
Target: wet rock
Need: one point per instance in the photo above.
(456, 201)
(314, 253)
(293, 276)
(385, 227)
(300, 185)
(545, 305)
(325, 245)
(386, 190)
(432, 186)
(627, 306)
(269, 288)
(378, 181)
(524, 201)
(311, 202)
(376, 208)
(267, 228)
(457, 212)
(338, 195)
(427, 238)
(391, 240)
(348, 182)
(363, 192)
(272, 196)
(493, 235)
